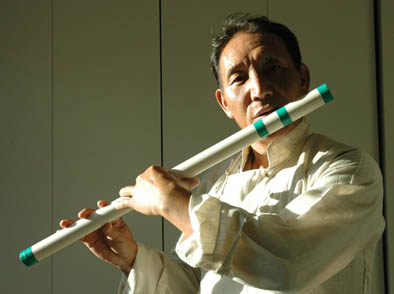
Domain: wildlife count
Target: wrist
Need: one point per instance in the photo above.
(128, 264)
(177, 211)
(126, 269)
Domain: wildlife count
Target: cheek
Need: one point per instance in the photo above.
(236, 99)
(284, 80)
(238, 102)
(233, 92)
(289, 86)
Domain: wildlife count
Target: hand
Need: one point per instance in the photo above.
(157, 191)
(112, 243)
(160, 192)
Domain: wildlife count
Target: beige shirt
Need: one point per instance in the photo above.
(309, 223)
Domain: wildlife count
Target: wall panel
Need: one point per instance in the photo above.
(106, 122)
(25, 140)
(387, 25)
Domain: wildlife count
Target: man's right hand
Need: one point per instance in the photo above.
(112, 243)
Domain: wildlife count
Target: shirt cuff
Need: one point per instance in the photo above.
(144, 275)
(197, 250)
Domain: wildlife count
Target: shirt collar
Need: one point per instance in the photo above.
(281, 150)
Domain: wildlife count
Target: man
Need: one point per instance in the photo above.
(295, 212)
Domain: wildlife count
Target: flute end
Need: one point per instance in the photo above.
(27, 257)
(325, 93)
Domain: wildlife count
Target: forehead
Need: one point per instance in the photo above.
(248, 46)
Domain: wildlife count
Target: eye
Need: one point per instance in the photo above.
(238, 78)
(276, 67)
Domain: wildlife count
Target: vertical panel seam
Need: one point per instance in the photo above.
(381, 134)
(52, 135)
(267, 8)
(161, 111)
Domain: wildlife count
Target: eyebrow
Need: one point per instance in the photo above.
(270, 59)
(236, 67)
(233, 69)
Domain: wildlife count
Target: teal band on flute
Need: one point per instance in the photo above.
(325, 93)
(284, 116)
(27, 257)
(261, 129)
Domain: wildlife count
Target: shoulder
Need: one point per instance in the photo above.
(331, 157)
(319, 144)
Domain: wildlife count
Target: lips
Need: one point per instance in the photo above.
(263, 112)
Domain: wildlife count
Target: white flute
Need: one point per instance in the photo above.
(189, 168)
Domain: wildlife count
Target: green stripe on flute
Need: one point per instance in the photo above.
(261, 129)
(325, 93)
(27, 257)
(284, 116)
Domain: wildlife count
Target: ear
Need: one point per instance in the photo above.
(305, 78)
(223, 104)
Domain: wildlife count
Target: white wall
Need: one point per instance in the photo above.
(26, 138)
(80, 117)
(80, 110)
(106, 121)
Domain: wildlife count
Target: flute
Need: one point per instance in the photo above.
(189, 168)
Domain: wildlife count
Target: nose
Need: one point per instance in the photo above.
(259, 87)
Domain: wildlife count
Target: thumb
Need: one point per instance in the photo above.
(123, 202)
(188, 183)
(114, 229)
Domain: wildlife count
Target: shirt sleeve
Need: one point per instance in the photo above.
(154, 272)
(315, 236)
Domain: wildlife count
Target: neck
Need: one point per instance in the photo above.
(259, 157)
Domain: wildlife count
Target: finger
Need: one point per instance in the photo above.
(107, 229)
(115, 230)
(126, 191)
(187, 183)
(102, 203)
(123, 202)
(193, 183)
(65, 223)
(86, 212)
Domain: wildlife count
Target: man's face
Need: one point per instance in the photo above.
(258, 76)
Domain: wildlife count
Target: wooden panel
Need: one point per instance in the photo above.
(106, 121)
(193, 120)
(337, 43)
(388, 94)
(25, 140)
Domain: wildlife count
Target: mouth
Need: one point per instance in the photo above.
(264, 112)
